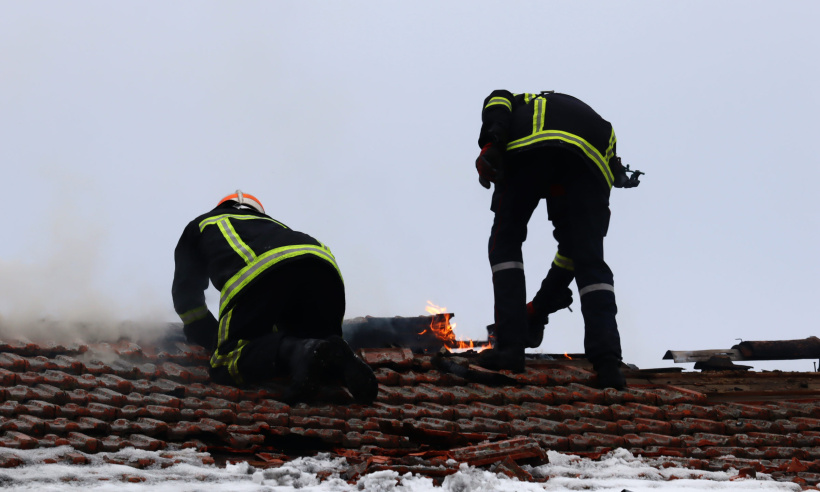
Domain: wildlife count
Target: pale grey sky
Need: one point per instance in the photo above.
(357, 121)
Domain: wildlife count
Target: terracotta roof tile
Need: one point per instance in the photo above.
(648, 439)
(482, 454)
(105, 397)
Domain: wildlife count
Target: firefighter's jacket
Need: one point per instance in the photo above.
(232, 247)
(525, 121)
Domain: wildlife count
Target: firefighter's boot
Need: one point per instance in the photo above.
(497, 359)
(510, 322)
(553, 296)
(538, 317)
(357, 376)
(306, 360)
(609, 373)
(602, 343)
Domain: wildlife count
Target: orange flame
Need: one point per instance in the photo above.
(567, 356)
(442, 328)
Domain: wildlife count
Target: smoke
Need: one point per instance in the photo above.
(56, 295)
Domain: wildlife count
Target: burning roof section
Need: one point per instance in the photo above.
(435, 409)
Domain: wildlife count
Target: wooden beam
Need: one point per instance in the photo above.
(701, 355)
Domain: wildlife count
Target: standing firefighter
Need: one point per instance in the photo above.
(281, 304)
(550, 146)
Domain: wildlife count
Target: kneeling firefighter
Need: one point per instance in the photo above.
(555, 147)
(281, 306)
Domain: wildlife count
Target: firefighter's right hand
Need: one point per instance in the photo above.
(488, 164)
(620, 179)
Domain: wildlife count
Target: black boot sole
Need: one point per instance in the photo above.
(499, 360)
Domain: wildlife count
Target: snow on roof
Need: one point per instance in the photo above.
(139, 412)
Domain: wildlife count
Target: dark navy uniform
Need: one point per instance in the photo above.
(271, 280)
(555, 148)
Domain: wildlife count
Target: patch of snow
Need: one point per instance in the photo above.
(184, 471)
(619, 469)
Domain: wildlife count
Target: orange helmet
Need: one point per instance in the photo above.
(244, 199)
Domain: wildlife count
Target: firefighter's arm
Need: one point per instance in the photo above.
(496, 114)
(188, 291)
(495, 119)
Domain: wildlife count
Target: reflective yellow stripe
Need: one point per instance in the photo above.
(224, 326)
(499, 101)
(538, 114)
(610, 151)
(236, 242)
(195, 314)
(562, 261)
(231, 359)
(570, 138)
(529, 97)
(226, 227)
(266, 260)
(217, 218)
(233, 365)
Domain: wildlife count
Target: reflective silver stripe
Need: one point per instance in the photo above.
(508, 265)
(594, 287)
(265, 260)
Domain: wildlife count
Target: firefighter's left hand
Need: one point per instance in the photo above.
(203, 332)
(488, 164)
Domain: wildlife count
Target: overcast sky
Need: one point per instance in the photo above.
(357, 122)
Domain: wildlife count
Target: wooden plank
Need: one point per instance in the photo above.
(761, 396)
(701, 355)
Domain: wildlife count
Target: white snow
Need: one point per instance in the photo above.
(183, 471)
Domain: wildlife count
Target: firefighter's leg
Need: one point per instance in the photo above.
(252, 334)
(312, 316)
(554, 293)
(317, 311)
(244, 353)
(587, 224)
(513, 203)
(553, 296)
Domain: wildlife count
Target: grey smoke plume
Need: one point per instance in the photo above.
(55, 294)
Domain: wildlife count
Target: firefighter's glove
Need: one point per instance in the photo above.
(621, 180)
(489, 165)
(202, 332)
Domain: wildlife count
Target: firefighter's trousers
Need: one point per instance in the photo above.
(578, 206)
(303, 298)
